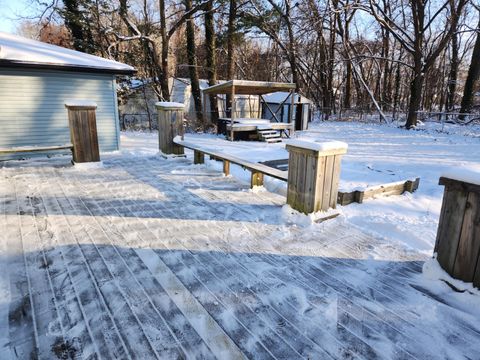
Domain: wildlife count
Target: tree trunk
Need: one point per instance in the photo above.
(386, 91)
(396, 96)
(331, 57)
(347, 99)
(211, 58)
(192, 64)
(472, 77)
(452, 76)
(415, 94)
(164, 56)
(232, 14)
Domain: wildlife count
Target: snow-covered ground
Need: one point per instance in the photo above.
(377, 154)
(146, 257)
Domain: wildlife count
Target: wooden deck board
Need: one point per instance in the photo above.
(157, 258)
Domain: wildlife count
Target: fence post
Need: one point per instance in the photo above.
(170, 124)
(83, 130)
(313, 175)
(458, 235)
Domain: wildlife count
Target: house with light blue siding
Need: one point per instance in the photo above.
(36, 79)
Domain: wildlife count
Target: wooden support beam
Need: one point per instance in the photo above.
(290, 114)
(256, 179)
(232, 114)
(226, 167)
(198, 157)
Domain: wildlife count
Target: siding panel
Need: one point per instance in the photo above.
(32, 110)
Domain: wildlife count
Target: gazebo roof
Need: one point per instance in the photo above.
(246, 87)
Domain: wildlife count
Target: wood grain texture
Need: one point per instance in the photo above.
(312, 180)
(83, 134)
(394, 188)
(170, 122)
(256, 179)
(469, 242)
(226, 167)
(449, 228)
(198, 157)
(327, 183)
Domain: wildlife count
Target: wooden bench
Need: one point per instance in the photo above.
(257, 170)
(28, 149)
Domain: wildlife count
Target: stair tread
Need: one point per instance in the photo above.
(271, 136)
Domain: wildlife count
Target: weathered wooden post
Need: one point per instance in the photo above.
(83, 130)
(314, 174)
(170, 124)
(458, 235)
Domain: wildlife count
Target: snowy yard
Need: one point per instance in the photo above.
(154, 258)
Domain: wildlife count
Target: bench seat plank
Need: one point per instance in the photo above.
(19, 149)
(254, 167)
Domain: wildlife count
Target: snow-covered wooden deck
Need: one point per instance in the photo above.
(149, 258)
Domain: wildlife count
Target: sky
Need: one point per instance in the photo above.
(11, 10)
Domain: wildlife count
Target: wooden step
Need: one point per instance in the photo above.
(269, 135)
(265, 132)
(273, 140)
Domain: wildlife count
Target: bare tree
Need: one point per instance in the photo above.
(192, 62)
(211, 60)
(473, 74)
(420, 40)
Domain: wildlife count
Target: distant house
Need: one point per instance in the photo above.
(35, 81)
(134, 111)
(181, 91)
(138, 106)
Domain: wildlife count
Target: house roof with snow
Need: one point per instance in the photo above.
(282, 96)
(248, 87)
(17, 51)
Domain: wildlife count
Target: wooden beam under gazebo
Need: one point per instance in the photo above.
(260, 88)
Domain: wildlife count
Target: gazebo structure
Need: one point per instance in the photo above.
(259, 128)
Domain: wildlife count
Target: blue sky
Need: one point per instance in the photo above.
(11, 10)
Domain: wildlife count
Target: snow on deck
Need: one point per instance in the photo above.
(154, 258)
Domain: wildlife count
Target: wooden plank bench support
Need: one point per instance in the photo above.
(198, 157)
(256, 179)
(226, 167)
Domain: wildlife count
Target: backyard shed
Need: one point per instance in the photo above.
(36, 79)
(253, 127)
(278, 103)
